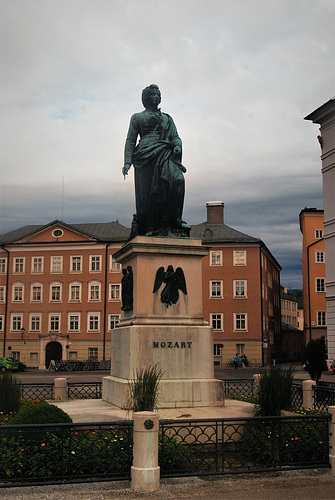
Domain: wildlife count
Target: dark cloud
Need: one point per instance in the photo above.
(238, 78)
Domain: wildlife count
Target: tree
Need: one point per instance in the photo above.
(315, 355)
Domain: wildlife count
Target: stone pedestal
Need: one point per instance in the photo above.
(173, 336)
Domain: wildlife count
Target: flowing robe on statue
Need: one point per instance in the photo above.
(159, 181)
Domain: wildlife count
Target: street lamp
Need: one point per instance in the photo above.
(23, 330)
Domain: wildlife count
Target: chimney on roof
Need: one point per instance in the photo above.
(215, 211)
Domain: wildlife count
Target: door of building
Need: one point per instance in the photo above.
(53, 350)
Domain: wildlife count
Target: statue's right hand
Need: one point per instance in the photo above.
(126, 169)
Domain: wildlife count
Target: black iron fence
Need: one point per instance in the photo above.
(75, 390)
(209, 447)
(65, 453)
(31, 392)
(58, 453)
(296, 394)
(239, 387)
(78, 390)
(323, 397)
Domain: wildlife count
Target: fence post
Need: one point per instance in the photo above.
(307, 393)
(60, 389)
(331, 410)
(145, 473)
(256, 378)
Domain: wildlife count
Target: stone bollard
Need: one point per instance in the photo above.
(307, 393)
(145, 473)
(256, 378)
(60, 389)
(331, 410)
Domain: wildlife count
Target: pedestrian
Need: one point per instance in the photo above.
(274, 358)
(236, 361)
(244, 360)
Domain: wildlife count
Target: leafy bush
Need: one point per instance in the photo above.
(173, 455)
(40, 454)
(40, 412)
(292, 441)
(144, 388)
(10, 393)
(315, 358)
(274, 391)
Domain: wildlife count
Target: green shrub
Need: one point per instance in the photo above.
(144, 388)
(40, 412)
(46, 454)
(315, 358)
(173, 455)
(274, 391)
(270, 442)
(10, 393)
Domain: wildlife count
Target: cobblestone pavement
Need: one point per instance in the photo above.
(293, 485)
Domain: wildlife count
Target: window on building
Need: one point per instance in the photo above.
(216, 320)
(35, 322)
(115, 267)
(55, 293)
(240, 257)
(36, 293)
(93, 353)
(33, 356)
(19, 265)
(95, 263)
(321, 318)
(240, 288)
(17, 292)
(16, 322)
(2, 293)
(270, 280)
(15, 355)
(240, 349)
(114, 319)
(74, 322)
(76, 265)
(115, 291)
(240, 322)
(54, 322)
(320, 257)
(73, 355)
(93, 322)
(216, 258)
(3, 265)
(94, 291)
(215, 287)
(75, 292)
(57, 264)
(320, 284)
(37, 265)
(318, 234)
(1, 323)
(217, 349)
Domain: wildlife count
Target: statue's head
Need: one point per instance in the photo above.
(151, 95)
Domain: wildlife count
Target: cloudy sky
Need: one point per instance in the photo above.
(238, 77)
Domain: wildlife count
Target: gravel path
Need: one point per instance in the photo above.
(292, 485)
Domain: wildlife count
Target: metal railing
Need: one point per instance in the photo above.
(323, 397)
(103, 451)
(239, 387)
(296, 394)
(230, 446)
(37, 391)
(85, 390)
(65, 453)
